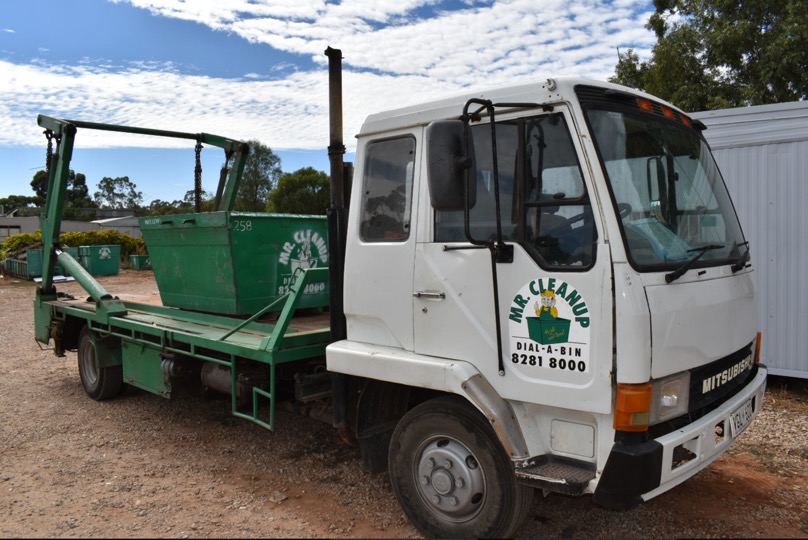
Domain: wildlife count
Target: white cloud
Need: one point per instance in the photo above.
(285, 114)
(394, 56)
(392, 36)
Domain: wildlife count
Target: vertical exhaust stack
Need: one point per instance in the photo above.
(337, 226)
(337, 231)
(336, 148)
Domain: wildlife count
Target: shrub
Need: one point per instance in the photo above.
(129, 245)
(17, 242)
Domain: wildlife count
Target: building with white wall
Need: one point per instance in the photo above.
(762, 152)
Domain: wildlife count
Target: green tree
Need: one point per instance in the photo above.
(261, 173)
(118, 193)
(187, 203)
(160, 207)
(723, 53)
(39, 183)
(305, 191)
(14, 202)
(76, 193)
(77, 197)
(629, 70)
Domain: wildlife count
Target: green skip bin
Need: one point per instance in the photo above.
(235, 263)
(548, 331)
(140, 262)
(101, 260)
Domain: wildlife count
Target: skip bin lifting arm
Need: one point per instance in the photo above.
(59, 168)
(65, 132)
(228, 185)
(57, 125)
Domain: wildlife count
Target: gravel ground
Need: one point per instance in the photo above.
(143, 466)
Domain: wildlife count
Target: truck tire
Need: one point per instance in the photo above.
(451, 475)
(99, 383)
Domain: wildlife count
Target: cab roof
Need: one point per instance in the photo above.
(539, 92)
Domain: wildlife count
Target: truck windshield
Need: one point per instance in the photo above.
(667, 190)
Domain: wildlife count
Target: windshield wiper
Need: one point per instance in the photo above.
(679, 272)
(741, 262)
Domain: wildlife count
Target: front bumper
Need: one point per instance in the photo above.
(638, 472)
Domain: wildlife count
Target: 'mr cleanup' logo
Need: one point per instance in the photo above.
(308, 249)
(549, 328)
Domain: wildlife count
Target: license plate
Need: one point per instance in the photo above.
(741, 418)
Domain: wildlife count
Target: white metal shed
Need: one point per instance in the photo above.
(762, 152)
(125, 224)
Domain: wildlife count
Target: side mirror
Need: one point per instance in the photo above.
(450, 162)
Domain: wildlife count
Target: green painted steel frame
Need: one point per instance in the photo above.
(51, 219)
(272, 343)
(214, 338)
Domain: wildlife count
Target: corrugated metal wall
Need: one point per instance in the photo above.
(763, 155)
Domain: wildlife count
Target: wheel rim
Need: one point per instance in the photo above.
(88, 362)
(449, 479)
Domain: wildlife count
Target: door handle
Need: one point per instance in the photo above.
(429, 294)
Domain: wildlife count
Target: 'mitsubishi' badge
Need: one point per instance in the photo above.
(549, 328)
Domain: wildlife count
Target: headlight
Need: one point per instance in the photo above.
(670, 397)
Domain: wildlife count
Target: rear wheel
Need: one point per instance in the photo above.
(451, 474)
(99, 383)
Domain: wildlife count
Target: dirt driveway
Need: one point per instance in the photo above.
(143, 466)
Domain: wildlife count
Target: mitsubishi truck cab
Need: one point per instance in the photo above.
(546, 286)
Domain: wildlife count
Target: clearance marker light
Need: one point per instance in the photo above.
(648, 106)
(757, 347)
(632, 407)
(645, 105)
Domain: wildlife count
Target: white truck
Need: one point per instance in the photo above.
(537, 286)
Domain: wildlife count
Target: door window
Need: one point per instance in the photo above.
(543, 201)
(387, 185)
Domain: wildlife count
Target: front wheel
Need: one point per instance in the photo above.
(99, 383)
(452, 476)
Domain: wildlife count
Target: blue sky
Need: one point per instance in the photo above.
(255, 69)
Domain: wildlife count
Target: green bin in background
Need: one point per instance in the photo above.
(235, 263)
(140, 262)
(103, 260)
(34, 261)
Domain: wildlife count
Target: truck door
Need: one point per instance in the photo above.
(378, 282)
(555, 297)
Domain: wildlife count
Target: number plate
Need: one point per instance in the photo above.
(741, 418)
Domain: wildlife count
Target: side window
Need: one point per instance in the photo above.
(387, 190)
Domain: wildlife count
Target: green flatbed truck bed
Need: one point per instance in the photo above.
(185, 331)
(154, 345)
